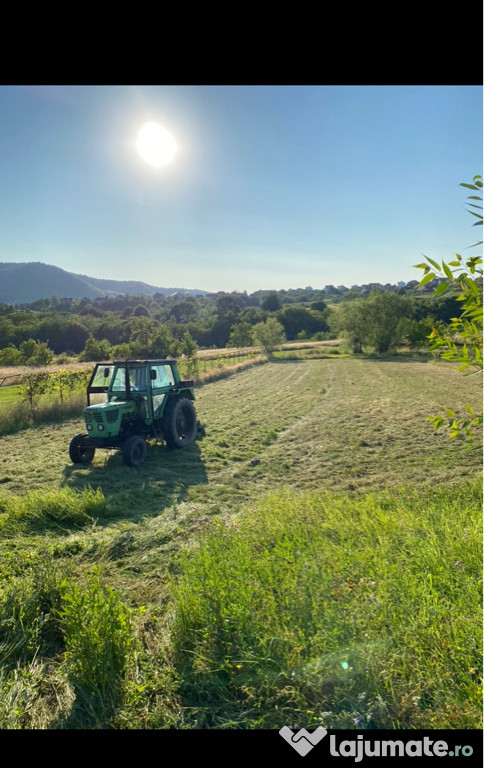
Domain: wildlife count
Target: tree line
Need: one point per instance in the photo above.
(160, 326)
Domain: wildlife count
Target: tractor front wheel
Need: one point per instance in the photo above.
(134, 451)
(78, 453)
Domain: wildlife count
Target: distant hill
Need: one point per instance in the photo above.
(22, 283)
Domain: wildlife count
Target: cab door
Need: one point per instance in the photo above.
(162, 380)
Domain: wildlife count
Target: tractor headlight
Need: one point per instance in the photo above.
(100, 427)
(89, 427)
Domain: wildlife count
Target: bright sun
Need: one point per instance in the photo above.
(155, 144)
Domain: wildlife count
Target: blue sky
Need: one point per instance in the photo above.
(271, 187)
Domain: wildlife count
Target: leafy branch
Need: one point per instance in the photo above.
(462, 280)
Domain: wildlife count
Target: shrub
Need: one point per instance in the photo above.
(11, 356)
(32, 386)
(95, 350)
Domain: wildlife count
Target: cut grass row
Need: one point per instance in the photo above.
(345, 425)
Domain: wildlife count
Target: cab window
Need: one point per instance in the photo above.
(137, 380)
(102, 376)
(164, 376)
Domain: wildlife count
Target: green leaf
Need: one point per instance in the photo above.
(471, 186)
(441, 288)
(450, 412)
(434, 263)
(430, 276)
(447, 271)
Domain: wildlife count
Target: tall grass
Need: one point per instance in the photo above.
(344, 612)
(59, 509)
(223, 372)
(99, 637)
(65, 651)
(20, 416)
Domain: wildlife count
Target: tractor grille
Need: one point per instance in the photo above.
(98, 416)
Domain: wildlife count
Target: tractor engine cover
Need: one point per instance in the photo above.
(104, 420)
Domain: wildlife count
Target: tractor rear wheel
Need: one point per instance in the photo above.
(134, 451)
(78, 453)
(179, 423)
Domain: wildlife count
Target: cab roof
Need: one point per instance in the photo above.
(138, 362)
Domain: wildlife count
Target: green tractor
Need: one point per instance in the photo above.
(137, 399)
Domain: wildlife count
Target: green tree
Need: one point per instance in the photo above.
(28, 348)
(188, 347)
(43, 355)
(269, 335)
(95, 350)
(352, 319)
(388, 313)
(241, 335)
(121, 351)
(36, 353)
(163, 343)
(296, 319)
(11, 356)
(140, 311)
(32, 385)
(271, 303)
(377, 323)
(463, 280)
(65, 382)
(141, 335)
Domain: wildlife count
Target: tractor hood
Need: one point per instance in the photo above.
(104, 419)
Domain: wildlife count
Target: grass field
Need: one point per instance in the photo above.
(327, 524)
(347, 425)
(9, 394)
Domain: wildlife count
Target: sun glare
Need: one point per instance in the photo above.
(155, 144)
